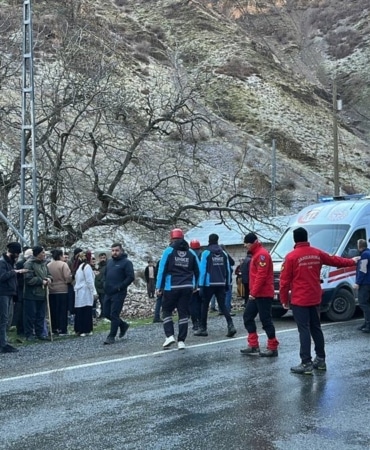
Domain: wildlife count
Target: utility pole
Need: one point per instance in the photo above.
(335, 139)
(273, 179)
(28, 198)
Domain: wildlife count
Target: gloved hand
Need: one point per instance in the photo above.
(227, 287)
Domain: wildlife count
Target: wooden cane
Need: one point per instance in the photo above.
(49, 314)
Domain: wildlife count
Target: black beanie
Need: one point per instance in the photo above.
(300, 235)
(14, 247)
(213, 238)
(250, 238)
(37, 250)
(76, 251)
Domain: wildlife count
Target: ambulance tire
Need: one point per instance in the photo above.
(342, 307)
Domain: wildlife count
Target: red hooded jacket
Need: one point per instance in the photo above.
(300, 274)
(261, 273)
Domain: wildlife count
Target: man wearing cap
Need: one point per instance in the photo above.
(177, 278)
(261, 294)
(214, 279)
(36, 280)
(300, 274)
(8, 289)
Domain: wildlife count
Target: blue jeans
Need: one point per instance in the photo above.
(4, 312)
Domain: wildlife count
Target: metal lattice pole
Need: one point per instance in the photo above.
(28, 197)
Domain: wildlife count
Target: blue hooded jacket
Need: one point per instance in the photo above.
(178, 267)
(214, 267)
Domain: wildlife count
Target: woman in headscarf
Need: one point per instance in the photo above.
(84, 295)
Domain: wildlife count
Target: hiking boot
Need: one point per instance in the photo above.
(123, 329)
(319, 363)
(303, 369)
(201, 332)
(181, 345)
(110, 340)
(9, 349)
(366, 328)
(168, 342)
(361, 327)
(250, 351)
(269, 353)
(231, 331)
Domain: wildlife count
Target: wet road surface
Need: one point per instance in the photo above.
(134, 396)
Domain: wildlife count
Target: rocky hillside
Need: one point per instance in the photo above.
(130, 93)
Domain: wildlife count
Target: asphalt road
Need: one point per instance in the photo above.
(132, 395)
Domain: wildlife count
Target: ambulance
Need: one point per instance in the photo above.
(334, 225)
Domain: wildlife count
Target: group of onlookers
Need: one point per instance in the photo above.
(59, 288)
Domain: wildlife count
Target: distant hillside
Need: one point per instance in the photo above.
(160, 113)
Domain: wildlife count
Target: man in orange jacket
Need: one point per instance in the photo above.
(300, 274)
(261, 294)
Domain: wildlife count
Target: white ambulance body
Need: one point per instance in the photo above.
(334, 225)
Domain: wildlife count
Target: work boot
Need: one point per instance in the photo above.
(123, 329)
(201, 332)
(366, 328)
(250, 351)
(303, 369)
(269, 353)
(110, 340)
(231, 330)
(319, 363)
(361, 327)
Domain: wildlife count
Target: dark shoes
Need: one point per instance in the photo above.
(319, 363)
(157, 320)
(269, 353)
(231, 331)
(250, 351)
(110, 340)
(361, 327)
(303, 369)
(42, 338)
(123, 327)
(201, 332)
(8, 349)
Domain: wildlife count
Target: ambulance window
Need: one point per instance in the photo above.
(351, 248)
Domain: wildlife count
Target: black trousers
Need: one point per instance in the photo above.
(112, 308)
(261, 306)
(307, 319)
(59, 312)
(34, 317)
(219, 292)
(179, 299)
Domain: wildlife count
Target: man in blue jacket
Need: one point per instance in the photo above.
(177, 278)
(214, 279)
(119, 274)
(8, 288)
(363, 283)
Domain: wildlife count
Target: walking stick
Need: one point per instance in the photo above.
(49, 314)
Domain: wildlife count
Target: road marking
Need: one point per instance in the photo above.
(145, 355)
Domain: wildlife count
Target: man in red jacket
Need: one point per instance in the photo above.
(261, 294)
(300, 274)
